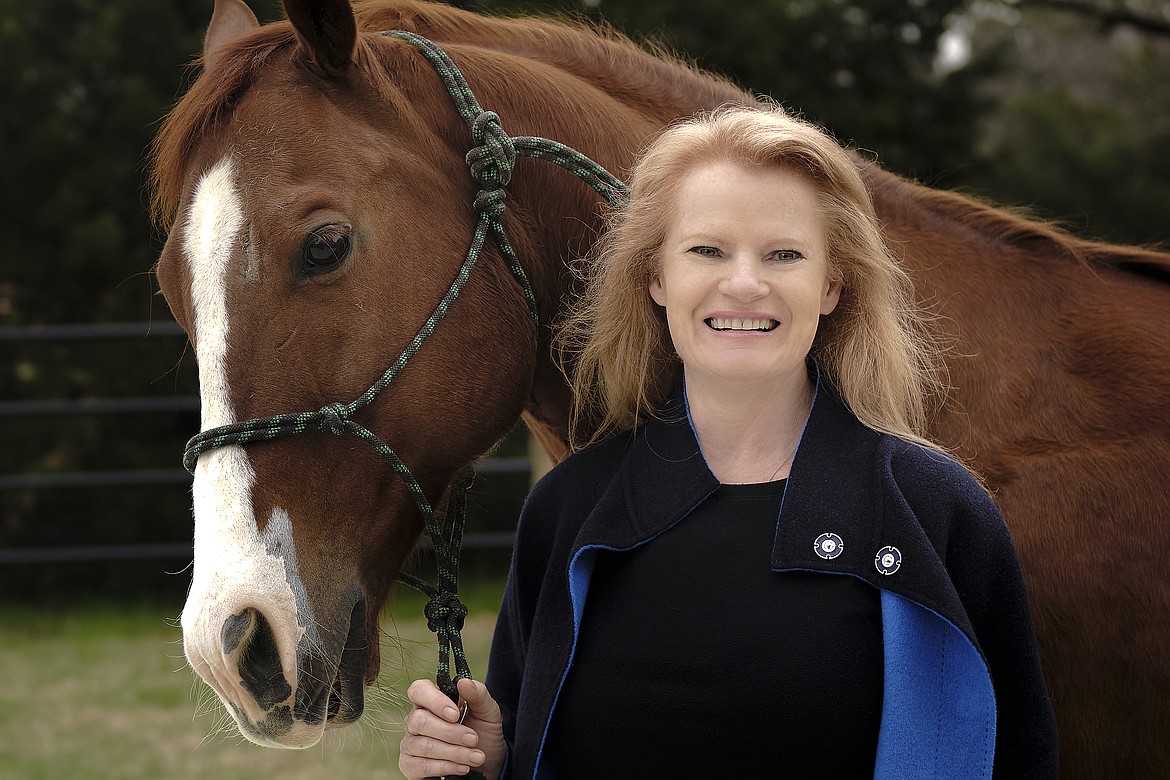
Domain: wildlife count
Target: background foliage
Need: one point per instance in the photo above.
(1059, 106)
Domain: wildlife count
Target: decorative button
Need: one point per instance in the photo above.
(888, 560)
(828, 546)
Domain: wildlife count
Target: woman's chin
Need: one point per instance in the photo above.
(742, 370)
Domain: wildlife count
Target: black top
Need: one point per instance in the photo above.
(696, 659)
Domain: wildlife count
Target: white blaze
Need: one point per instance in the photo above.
(235, 567)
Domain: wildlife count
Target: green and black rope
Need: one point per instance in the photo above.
(490, 162)
(444, 612)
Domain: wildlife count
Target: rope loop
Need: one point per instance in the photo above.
(333, 419)
(490, 203)
(446, 612)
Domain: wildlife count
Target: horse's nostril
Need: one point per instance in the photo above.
(236, 629)
(259, 660)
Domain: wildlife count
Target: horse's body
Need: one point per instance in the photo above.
(1060, 351)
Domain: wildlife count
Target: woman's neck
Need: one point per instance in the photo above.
(749, 432)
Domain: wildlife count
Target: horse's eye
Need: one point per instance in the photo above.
(324, 250)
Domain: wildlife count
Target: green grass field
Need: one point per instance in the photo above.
(104, 692)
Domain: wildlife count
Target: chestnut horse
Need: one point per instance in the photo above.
(314, 187)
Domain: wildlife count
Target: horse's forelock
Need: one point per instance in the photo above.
(209, 101)
(203, 109)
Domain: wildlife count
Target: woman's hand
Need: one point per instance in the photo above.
(436, 743)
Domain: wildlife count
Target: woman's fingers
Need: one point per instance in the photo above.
(435, 742)
(423, 752)
(414, 768)
(424, 723)
(432, 747)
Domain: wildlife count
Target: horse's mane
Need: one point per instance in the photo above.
(1014, 227)
(593, 51)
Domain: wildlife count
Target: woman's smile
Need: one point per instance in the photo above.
(741, 324)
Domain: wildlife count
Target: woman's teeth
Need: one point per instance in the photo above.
(721, 323)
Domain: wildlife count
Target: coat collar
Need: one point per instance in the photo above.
(845, 480)
(832, 488)
(663, 476)
(842, 482)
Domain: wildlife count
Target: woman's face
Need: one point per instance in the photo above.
(744, 273)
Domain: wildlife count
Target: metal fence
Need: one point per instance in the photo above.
(81, 480)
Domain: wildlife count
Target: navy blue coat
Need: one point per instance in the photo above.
(963, 692)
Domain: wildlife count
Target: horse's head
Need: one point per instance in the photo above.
(318, 216)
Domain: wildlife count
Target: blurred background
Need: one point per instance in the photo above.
(1058, 106)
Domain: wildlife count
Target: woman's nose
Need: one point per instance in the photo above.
(743, 279)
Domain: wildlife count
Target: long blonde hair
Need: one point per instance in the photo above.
(873, 349)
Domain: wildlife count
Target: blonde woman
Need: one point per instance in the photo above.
(756, 564)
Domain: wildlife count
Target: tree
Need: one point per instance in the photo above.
(1083, 129)
(85, 83)
(1060, 105)
(1151, 17)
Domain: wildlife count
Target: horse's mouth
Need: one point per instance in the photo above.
(333, 709)
(346, 700)
(333, 693)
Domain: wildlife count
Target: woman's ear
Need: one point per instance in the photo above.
(831, 296)
(657, 291)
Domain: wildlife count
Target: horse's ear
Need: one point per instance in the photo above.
(327, 32)
(229, 19)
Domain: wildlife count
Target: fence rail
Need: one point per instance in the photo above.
(48, 408)
(57, 408)
(90, 330)
(101, 553)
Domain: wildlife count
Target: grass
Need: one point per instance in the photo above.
(100, 691)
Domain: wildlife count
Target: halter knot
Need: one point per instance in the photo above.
(491, 162)
(492, 159)
(333, 419)
(445, 611)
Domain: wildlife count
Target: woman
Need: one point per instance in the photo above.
(749, 358)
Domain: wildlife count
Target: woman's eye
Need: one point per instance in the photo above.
(787, 255)
(324, 250)
(705, 251)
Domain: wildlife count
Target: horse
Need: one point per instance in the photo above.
(313, 185)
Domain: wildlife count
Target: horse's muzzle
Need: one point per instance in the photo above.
(250, 675)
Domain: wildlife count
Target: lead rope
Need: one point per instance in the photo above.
(444, 611)
(490, 162)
